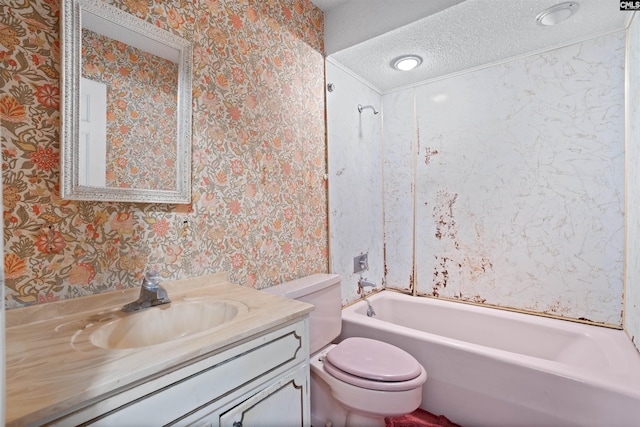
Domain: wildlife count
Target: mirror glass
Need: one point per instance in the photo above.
(126, 85)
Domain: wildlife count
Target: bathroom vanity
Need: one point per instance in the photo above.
(243, 361)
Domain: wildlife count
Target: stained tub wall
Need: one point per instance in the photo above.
(519, 183)
(399, 147)
(632, 268)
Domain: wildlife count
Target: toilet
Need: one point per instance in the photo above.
(360, 381)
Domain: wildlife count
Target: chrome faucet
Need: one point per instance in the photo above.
(151, 294)
(365, 283)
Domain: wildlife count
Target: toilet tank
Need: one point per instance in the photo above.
(323, 291)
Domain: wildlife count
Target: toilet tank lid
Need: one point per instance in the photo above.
(304, 285)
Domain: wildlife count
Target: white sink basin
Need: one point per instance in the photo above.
(165, 323)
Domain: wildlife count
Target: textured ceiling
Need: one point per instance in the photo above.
(349, 22)
(450, 35)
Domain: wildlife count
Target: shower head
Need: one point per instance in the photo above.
(362, 107)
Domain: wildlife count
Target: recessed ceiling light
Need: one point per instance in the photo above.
(557, 13)
(406, 62)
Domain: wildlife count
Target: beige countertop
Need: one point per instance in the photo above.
(49, 372)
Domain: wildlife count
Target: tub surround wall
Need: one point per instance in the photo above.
(258, 208)
(519, 183)
(355, 179)
(632, 276)
(399, 153)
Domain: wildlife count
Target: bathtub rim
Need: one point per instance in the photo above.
(484, 305)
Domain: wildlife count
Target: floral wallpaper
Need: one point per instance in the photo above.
(259, 198)
(142, 95)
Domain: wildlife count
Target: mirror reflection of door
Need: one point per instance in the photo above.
(141, 112)
(93, 133)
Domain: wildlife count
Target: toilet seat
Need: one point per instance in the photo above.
(374, 365)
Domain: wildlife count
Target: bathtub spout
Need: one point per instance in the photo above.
(365, 283)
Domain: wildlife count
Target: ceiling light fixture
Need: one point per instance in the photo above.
(557, 13)
(406, 62)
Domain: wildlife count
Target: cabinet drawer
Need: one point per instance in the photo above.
(181, 392)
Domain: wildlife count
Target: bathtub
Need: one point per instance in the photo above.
(489, 367)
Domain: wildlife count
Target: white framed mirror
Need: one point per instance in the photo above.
(126, 107)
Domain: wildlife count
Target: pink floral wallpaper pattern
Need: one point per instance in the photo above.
(258, 207)
(142, 95)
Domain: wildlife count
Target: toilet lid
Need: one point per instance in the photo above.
(374, 360)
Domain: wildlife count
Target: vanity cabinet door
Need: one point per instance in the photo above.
(282, 403)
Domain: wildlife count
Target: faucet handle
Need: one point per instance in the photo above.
(152, 279)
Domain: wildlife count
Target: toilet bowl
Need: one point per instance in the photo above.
(372, 394)
(359, 381)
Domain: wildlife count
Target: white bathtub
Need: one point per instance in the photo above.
(489, 367)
